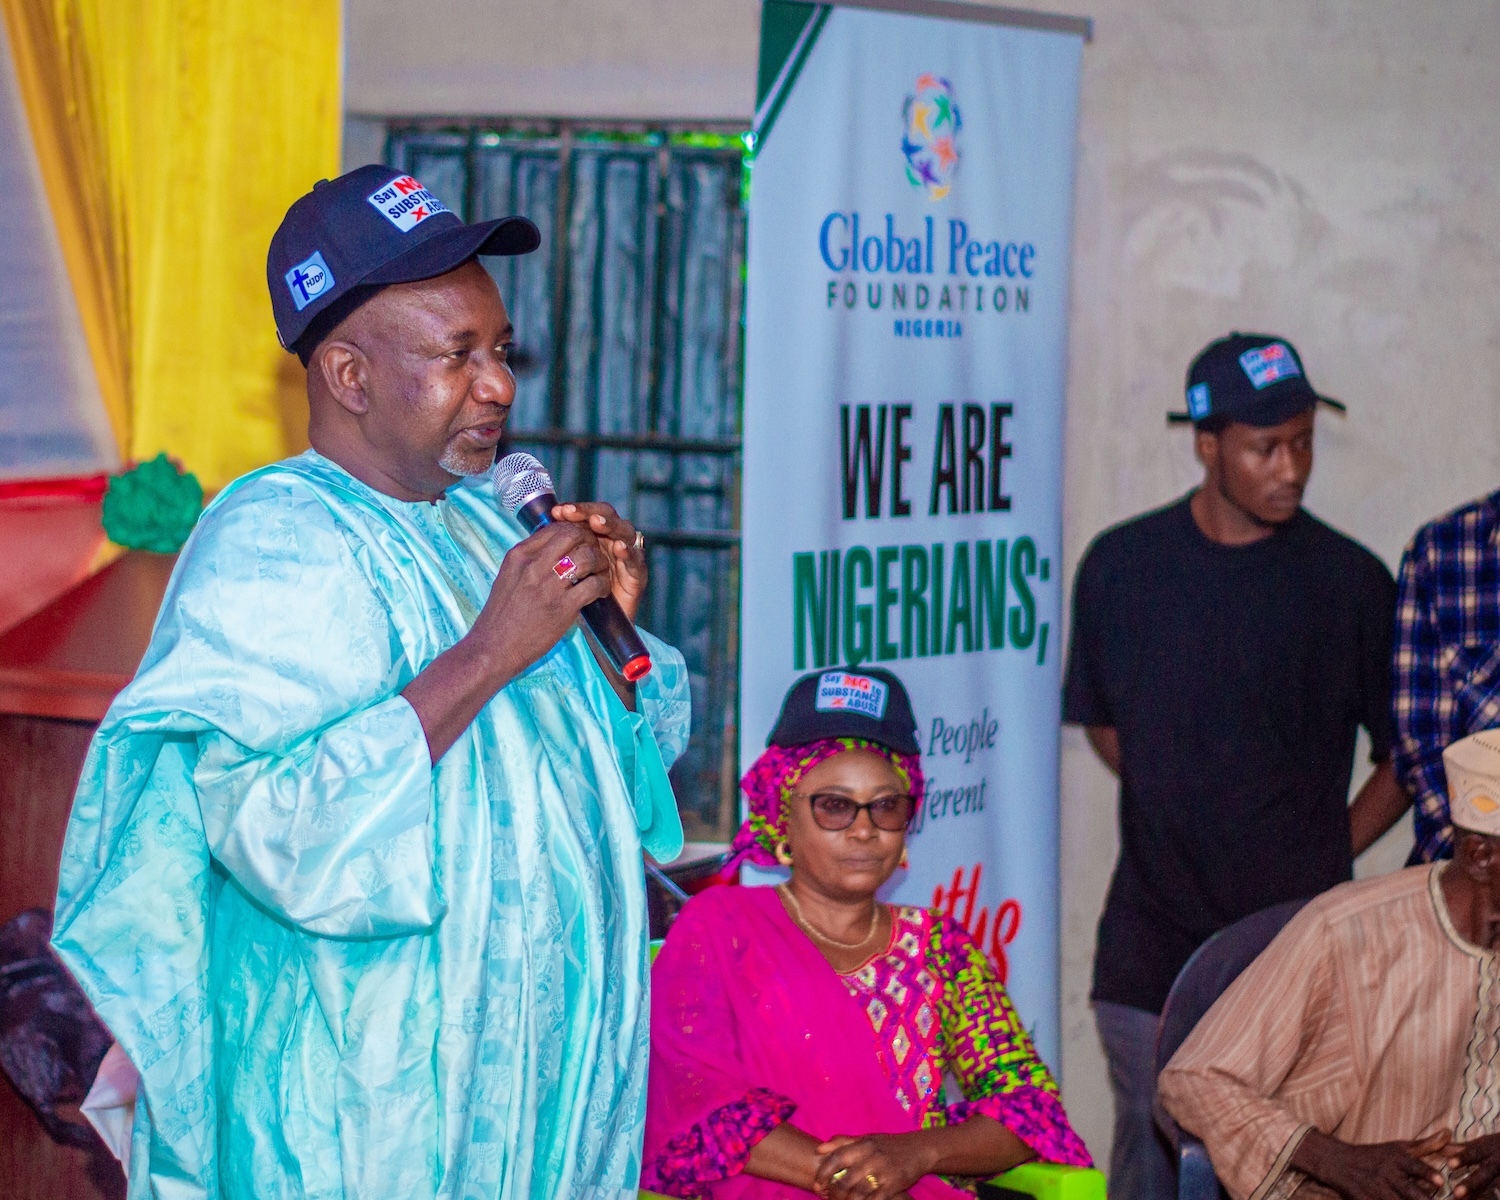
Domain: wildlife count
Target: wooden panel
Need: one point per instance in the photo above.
(40, 761)
(70, 659)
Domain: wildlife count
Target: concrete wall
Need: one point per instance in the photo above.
(1328, 171)
(589, 58)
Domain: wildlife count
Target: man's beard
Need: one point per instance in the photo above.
(466, 462)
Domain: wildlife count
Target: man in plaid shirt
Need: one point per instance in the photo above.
(1447, 657)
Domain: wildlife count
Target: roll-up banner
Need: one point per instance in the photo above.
(906, 341)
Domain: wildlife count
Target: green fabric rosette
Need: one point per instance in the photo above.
(152, 506)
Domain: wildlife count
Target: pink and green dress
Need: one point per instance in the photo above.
(751, 1026)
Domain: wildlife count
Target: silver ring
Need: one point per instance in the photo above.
(640, 541)
(566, 570)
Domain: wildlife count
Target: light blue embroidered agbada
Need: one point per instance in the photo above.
(341, 971)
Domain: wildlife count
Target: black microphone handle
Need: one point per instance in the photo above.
(537, 511)
(612, 629)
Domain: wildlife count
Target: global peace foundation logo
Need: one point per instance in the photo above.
(930, 137)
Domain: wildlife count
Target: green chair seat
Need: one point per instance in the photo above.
(1049, 1181)
(1044, 1181)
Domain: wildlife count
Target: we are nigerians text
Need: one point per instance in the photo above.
(984, 275)
(913, 599)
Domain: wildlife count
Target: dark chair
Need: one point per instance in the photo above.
(1214, 966)
(669, 888)
(664, 900)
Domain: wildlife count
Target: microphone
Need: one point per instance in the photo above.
(525, 489)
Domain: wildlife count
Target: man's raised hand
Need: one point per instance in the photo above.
(531, 607)
(617, 538)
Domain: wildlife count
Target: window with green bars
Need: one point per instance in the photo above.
(628, 366)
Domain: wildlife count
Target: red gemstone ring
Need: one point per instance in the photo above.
(566, 569)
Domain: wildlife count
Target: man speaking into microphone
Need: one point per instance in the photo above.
(354, 869)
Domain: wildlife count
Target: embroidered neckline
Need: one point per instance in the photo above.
(1445, 919)
(1478, 1111)
(899, 913)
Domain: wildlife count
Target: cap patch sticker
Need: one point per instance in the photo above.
(839, 691)
(1266, 364)
(308, 280)
(405, 203)
(1197, 398)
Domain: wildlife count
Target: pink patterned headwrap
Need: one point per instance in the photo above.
(773, 777)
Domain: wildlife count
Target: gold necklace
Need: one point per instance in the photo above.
(809, 927)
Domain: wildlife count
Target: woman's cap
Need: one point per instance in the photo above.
(868, 703)
(1472, 765)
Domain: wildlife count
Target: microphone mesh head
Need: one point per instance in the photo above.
(518, 478)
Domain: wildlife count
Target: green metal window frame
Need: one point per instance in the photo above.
(630, 380)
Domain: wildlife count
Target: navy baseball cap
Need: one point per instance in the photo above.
(1249, 378)
(349, 237)
(858, 702)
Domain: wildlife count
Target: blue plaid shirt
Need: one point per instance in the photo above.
(1447, 657)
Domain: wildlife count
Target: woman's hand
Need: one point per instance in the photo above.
(880, 1166)
(979, 1147)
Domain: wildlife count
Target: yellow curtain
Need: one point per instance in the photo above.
(172, 136)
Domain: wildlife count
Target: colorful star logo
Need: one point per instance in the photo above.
(930, 138)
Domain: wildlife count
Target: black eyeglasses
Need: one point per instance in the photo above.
(834, 812)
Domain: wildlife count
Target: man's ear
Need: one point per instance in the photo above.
(345, 372)
(1206, 448)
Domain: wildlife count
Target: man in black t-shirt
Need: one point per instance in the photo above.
(1225, 651)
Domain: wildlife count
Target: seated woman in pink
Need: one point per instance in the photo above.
(800, 1035)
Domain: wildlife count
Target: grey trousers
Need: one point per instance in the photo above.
(1140, 1165)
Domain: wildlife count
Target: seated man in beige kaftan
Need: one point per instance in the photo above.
(1360, 1054)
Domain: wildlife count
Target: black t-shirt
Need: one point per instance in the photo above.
(1237, 678)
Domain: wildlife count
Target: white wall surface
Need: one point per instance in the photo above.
(1327, 171)
(593, 58)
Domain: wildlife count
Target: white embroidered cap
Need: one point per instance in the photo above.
(1472, 765)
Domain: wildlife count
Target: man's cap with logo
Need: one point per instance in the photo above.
(350, 236)
(1472, 765)
(859, 702)
(1249, 379)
